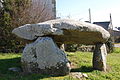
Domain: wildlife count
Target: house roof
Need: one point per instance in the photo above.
(105, 24)
(116, 33)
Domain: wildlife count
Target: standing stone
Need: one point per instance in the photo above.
(99, 57)
(61, 46)
(44, 57)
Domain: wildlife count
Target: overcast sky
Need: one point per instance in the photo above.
(100, 10)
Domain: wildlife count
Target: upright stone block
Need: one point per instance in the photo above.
(99, 57)
(44, 57)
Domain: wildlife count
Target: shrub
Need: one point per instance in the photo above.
(71, 47)
(9, 42)
(110, 45)
(16, 13)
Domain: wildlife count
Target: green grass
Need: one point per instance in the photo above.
(81, 62)
(116, 50)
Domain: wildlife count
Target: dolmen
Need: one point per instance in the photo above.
(43, 55)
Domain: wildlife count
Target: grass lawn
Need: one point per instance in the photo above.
(81, 62)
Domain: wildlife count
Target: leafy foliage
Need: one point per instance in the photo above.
(71, 47)
(16, 13)
(110, 45)
(9, 15)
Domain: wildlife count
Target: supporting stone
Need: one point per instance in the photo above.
(61, 46)
(99, 57)
(44, 57)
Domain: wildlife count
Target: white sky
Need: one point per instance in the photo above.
(100, 10)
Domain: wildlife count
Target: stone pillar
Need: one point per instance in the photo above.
(99, 57)
(44, 57)
(61, 46)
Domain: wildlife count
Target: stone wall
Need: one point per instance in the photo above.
(86, 48)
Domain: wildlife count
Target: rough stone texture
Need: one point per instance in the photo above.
(33, 31)
(99, 57)
(84, 48)
(79, 75)
(44, 57)
(64, 31)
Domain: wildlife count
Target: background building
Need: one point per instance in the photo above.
(43, 9)
(115, 32)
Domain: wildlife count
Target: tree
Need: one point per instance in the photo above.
(30, 11)
(19, 12)
(39, 11)
(9, 42)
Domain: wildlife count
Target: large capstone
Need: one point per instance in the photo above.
(64, 31)
(44, 57)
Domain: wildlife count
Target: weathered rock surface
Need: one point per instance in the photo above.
(78, 75)
(99, 57)
(64, 31)
(44, 57)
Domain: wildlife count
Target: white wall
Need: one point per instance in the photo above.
(43, 8)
